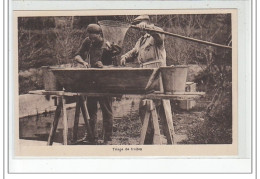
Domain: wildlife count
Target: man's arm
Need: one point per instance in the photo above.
(78, 59)
(158, 38)
(80, 53)
(130, 54)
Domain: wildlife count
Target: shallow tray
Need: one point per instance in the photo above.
(115, 80)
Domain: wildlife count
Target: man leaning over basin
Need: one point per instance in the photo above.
(92, 55)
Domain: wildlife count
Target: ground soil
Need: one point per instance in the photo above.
(126, 126)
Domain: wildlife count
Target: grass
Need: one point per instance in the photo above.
(209, 132)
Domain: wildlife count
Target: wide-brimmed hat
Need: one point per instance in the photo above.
(94, 28)
(140, 19)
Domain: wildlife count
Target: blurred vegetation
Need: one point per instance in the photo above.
(54, 40)
(44, 41)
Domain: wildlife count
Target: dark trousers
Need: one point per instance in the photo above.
(106, 108)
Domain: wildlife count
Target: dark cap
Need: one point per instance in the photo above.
(140, 19)
(94, 28)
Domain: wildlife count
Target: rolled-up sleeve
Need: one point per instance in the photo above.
(158, 37)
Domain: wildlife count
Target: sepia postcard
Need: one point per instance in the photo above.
(125, 83)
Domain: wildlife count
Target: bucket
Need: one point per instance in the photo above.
(49, 80)
(174, 78)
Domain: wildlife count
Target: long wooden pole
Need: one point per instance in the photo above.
(185, 38)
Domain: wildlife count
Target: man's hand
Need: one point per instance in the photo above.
(78, 59)
(145, 27)
(85, 64)
(122, 61)
(98, 64)
(142, 25)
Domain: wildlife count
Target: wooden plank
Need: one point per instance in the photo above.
(65, 122)
(91, 70)
(165, 127)
(180, 93)
(76, 120)
(169, 123)
(39, 92)
(86, 116)
(155, 95)
(61, 93)
(152, 78)
(161, 83)
(55, 123)
(157, 135)
(56, 93)
(145, 126)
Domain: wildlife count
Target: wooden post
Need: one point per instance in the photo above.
(157, 135)
(86, 116)
(65, 122)
(161, 83)
(76, 120)
(152, 78)
(145, 126)
(168, 121)
(55, 122)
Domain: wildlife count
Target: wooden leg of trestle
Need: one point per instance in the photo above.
(168, 123)
(55, 122)
(150, 113)
(65, 122)
(76, 120)
(157, 135)
(86, 116)
(145, 126)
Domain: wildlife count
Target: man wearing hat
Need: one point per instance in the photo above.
(92, 55)
(149, 48)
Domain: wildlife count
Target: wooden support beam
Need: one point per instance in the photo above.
(154, 95)
(167, 121)
(55, 122)
(76, 120)
(145, 126)
(65, 122)
(157, 135)
(152, 78)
